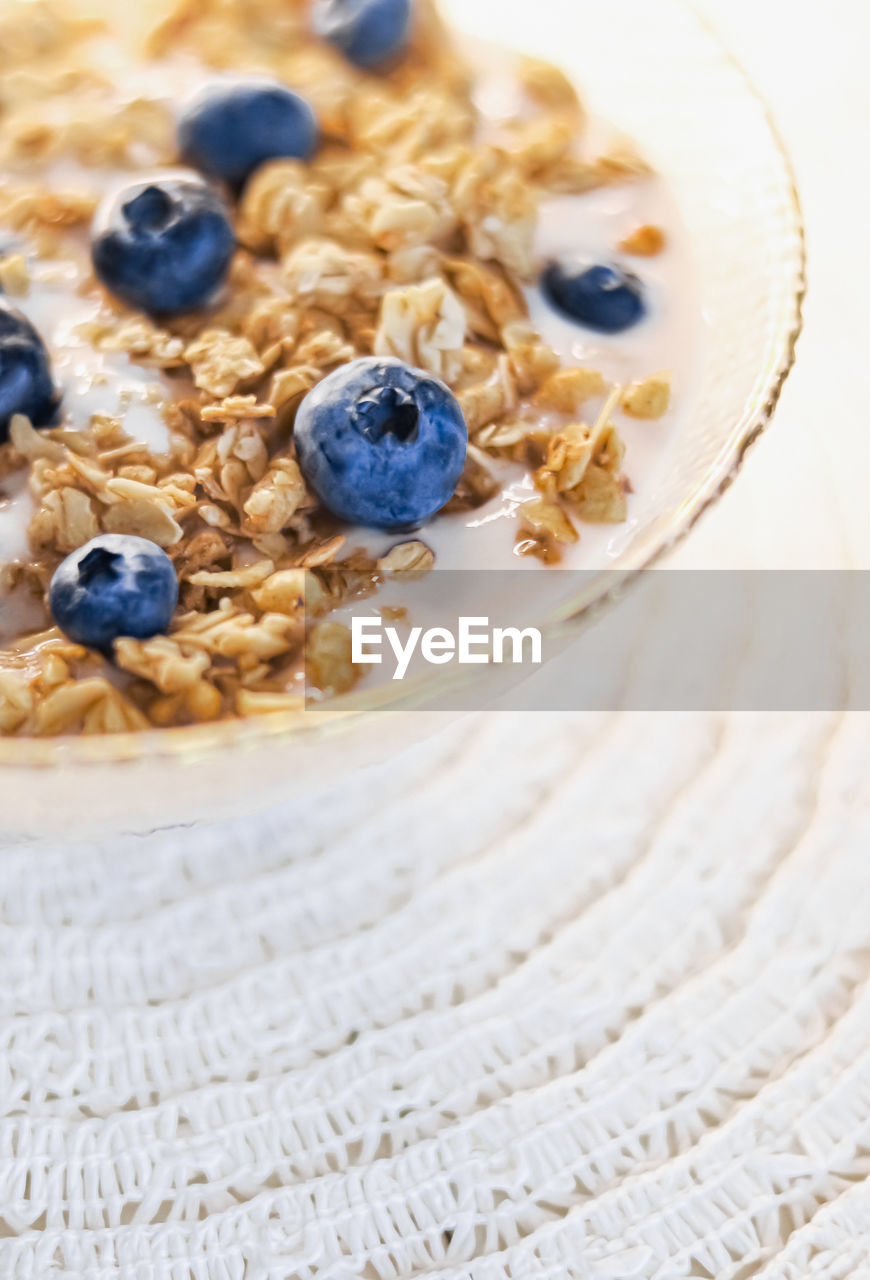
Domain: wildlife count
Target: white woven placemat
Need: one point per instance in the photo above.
(552, 996)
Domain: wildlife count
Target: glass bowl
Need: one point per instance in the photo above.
(656, 71)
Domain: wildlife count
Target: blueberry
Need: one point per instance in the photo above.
(367, 32)
(115, 585)
(231, 129)
(164, 246)
(381, 443)
(25, 373)
(602, 297)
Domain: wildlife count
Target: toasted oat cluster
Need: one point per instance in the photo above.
(408, 234)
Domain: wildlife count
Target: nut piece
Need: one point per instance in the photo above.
(566, 390)
(482, 403)
(532, 361)
(237, 407)
(649, 398)
(406, 207)
(16, 698)
(14, 275)
(412, 559)
(548, 85)
(229, 634)
(600, 497)
(476, 485)
(424, 325)
(93, 706)
(31, 443)
(583, 465)
(65, 519)
(328, 659)
(541, 144)
(646, 242)
(220, 362)
(140, 338)
(322, 273)
(276, 498)
(498, 209)
(544, 528)
(569, 454)
(144, 518)
(280, 205)
(491, 303)
(161, 661)
(233, 579)
(286, 592)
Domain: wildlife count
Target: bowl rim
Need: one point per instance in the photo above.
(193, 743)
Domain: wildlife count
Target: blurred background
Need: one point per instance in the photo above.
(802, 500)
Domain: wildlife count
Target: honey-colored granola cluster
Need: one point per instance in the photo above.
(409, 234)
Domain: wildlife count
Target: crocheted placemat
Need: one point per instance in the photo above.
(571, 996)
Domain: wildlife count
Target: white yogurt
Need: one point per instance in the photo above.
(16, 509)
(92, 381)
(667, 338)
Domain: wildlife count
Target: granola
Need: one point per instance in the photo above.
(409, 233)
